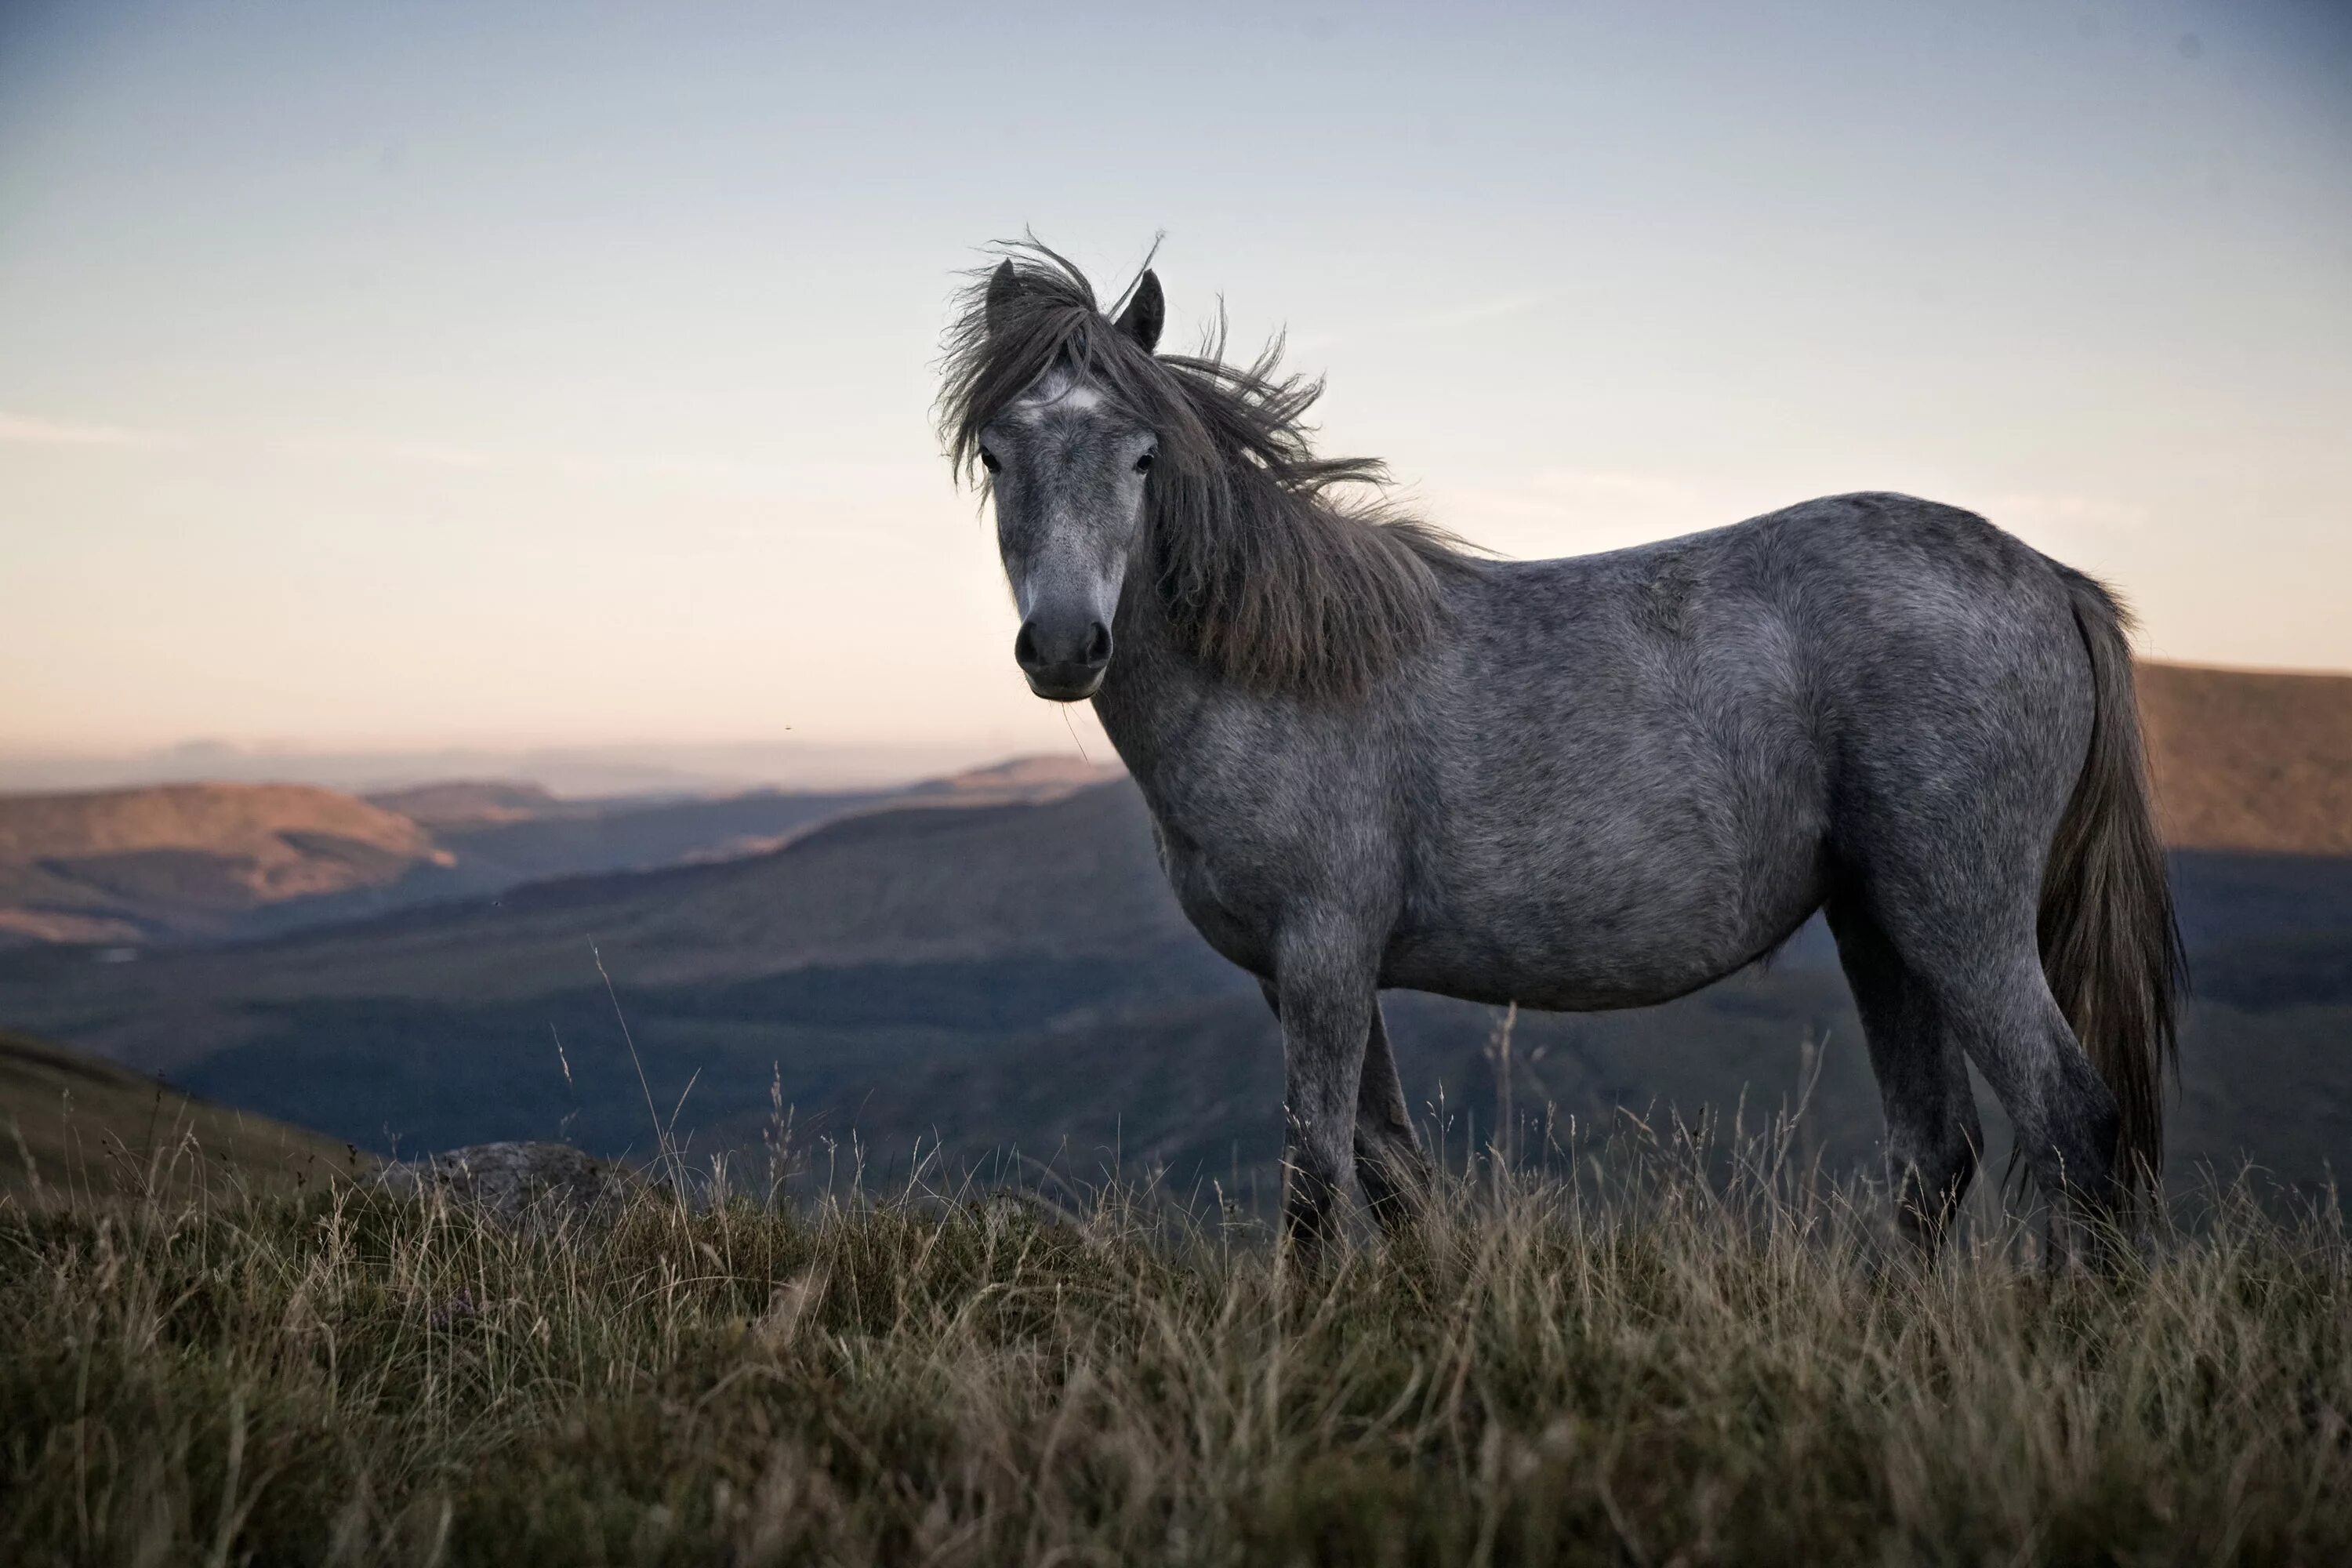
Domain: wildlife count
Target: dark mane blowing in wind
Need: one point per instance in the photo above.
(1278, 570)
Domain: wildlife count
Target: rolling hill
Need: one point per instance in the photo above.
(130, 866)
(2251, 760)
(478, 803)
(77, 1125)
(180, 863)
(507, 835)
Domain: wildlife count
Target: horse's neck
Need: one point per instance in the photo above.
(1152, 692)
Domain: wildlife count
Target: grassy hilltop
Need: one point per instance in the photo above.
(1644, 1367)
(75, 1127)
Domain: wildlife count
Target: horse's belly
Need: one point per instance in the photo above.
(1590, 980)
(1571, 954)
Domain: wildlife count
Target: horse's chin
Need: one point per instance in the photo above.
(1066, 691)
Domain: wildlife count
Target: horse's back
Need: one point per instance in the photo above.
(1642, 765)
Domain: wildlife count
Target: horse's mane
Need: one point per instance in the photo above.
(1281, 570)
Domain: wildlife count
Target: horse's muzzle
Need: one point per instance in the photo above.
(1064, 662)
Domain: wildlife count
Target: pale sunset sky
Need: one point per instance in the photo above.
(420, 375)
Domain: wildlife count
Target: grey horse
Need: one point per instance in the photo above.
(1375, 758)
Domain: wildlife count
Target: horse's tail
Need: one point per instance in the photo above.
(2110, 945)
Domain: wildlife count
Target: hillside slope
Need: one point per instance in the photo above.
(185, 863)
(1067, 881)
(189, 859)
(503, 838)
(2251, 759)
(475, 802)
(70, 1123)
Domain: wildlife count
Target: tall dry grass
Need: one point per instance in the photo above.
(1656, 1356)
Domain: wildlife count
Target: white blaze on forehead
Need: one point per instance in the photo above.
(1057, 389)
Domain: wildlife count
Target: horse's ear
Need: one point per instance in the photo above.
(1003, 292)
(1145, 313)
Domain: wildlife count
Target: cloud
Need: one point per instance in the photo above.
(426, 454)
(1486, 310)
(29, 431)
(435, 454)
(720, 474)
(732, 476)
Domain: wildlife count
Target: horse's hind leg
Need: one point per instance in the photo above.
(1390, 1164)
(2066, 1118)
(1933, 1135)
(1965, 980)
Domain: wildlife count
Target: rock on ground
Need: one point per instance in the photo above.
(520, 1181)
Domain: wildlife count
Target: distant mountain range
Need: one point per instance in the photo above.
(1014, 974)
(221, 861)
(574, 771)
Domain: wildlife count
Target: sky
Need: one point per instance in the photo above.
(484, 378)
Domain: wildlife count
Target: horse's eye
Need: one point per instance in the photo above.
(988, 461)
(1143, 464)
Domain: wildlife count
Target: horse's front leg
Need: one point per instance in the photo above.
(1390, 1167)
(1323, 993)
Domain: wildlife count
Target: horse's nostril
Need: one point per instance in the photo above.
(1061, 648)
